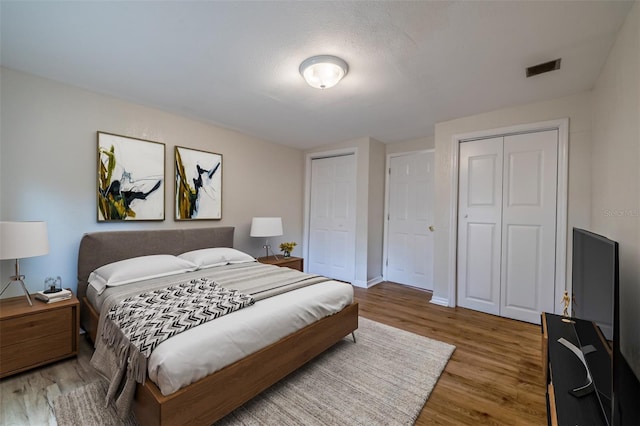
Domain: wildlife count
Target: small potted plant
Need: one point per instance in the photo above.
(287, 248)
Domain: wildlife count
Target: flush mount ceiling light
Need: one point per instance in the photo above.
(323, 71)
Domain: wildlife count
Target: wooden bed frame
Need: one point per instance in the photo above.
(215, 396)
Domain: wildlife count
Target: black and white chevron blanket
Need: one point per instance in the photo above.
(137, 325)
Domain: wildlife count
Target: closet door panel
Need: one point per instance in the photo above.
(332, 217)
(522, 266)
(479, 225)
(529, 225)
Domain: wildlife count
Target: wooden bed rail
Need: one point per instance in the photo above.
(215, 396)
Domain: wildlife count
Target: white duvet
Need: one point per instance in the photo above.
(200, 351)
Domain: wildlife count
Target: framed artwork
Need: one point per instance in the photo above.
(131, 179)
(198, 184)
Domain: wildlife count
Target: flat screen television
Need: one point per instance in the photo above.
(594, 274)
(599, 296)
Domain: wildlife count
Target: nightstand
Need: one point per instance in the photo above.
(288, 262)
(31, 336)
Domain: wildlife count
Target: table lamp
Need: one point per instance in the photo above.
(19, 240)
(266, 227)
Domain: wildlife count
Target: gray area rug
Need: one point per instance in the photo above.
(384, 378)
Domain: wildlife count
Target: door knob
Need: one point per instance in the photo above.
(431, 228)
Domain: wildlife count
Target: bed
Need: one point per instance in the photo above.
(219, 393)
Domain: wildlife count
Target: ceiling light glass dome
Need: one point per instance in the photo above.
(323, 71)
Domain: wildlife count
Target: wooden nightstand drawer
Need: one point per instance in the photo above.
(31, 336)
(33, 327)
(31, 352)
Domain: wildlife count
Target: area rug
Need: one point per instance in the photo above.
(384, 378)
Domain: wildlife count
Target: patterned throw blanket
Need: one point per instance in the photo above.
(137, 325)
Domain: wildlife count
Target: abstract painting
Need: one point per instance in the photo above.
(198, 184)
(130, 178)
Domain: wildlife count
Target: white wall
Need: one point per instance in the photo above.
(604, 166)
(48, 169)
(375, 233)
(615, 165)
(410, 145)
(576, 108)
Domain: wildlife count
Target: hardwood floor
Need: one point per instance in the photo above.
(495, 374)
(27, 398)
(493, 377)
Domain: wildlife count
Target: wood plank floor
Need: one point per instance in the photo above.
(493, 377)
(27, 398)
(495, 374)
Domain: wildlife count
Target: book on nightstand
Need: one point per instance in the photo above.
(53, 297)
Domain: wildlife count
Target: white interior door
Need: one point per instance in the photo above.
(332, 217)
(479, 225)
(507, 224)
(410, 220)
(529, 225)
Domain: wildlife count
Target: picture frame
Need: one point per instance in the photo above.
(198, 184)
(131, 179)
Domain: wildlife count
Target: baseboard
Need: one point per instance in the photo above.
(359, 283)
(440, 301)
(374, 281)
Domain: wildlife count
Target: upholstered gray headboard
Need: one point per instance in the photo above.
(100, 248)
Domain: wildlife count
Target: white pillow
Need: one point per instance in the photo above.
(217, 256)
(137, 269)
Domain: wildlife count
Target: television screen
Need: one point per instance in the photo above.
(593, 277)
(626, 353)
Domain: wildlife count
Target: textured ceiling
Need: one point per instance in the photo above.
(235, 64)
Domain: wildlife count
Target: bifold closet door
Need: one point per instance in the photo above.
(529, 225)
(479, 225)
(507, 224)
(332, 217)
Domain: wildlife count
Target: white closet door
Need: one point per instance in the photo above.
(410, 239)
(529, 225)
(479, 225)
(332, 217)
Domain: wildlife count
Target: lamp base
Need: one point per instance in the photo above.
(20, 279)
(267, 247)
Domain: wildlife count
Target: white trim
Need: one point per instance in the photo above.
(562, 214)
(374, 281)
(307, 197)
(385, 235)
(562, 125)
(359, 283)
(453, 227)
(513, 130)
(367, 284)
(440, 301)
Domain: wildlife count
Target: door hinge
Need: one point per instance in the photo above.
(389, 170)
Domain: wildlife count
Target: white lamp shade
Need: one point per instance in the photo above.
(23, 239)
(323, 71)
(266, 227)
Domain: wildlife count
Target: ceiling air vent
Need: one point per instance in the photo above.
(542, 68)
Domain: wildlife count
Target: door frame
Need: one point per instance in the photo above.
(562, 126)
(307, 198)
(387, 199)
